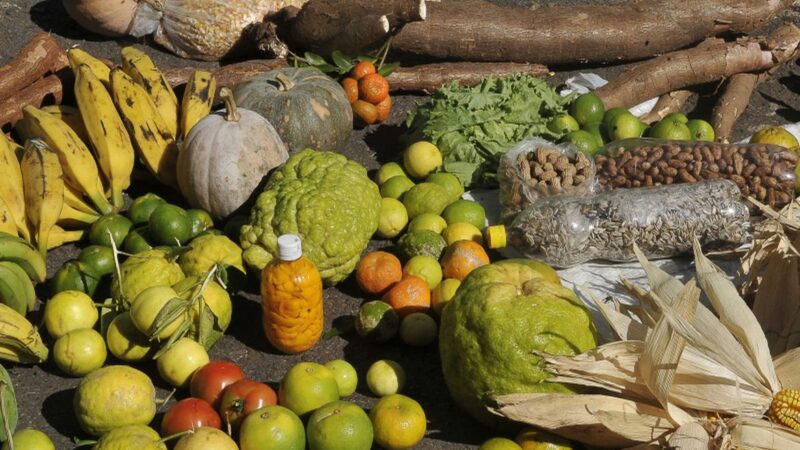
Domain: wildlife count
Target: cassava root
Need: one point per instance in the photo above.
(40, 56)
(46, 91)
(668, 103)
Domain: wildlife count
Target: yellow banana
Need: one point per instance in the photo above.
(155, 145)
(72, 116)
(140, 67)
(109, 138)
(19, 340)
(75, 200)
(7, 224)
(198, 97)
(11, 190)
(77, 161)
(77, 57)
(72, 218)
(44, 189)
(60, 236)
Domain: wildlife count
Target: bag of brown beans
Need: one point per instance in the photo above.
(536, 168)
(763, 172)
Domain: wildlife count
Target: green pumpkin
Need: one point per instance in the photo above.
(306, 107)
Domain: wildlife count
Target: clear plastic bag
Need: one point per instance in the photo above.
(536, 168)
(201, 29)
(765, 172)
(663, 221)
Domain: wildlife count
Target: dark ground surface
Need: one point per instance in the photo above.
(45, 397)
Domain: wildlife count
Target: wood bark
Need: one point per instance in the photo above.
(475, 30)
(352, 26)
(668, 103)
(703, 64)
(40, 56)
(425, 78)
(46, 91)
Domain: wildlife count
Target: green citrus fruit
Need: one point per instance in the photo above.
(465, 211)
(398, 422)
(532, 439)
(98, 257)
(117, 225)
(137, 241)
(30, 439)
(624, 126)
(680, 117)
(562, 124)
(201, 221)
(272, 427)
(125, 342)
(425, 198)
(346, 376)
(587, 108)
(75, 275)
(425, 267)
(206, 438)
(177, 365)
(672, 129)
(376, 321)
(443, 293)
(427, 221)
(499, 443)
(388, 171)
(79, 352)
(306, 387)
(393, 218)
(112, 397)
(146, 306)
(583, 140)
(170, 225)
(421, 159)
(395, 187)
(595, 129)
(339, 425)
(137, 437)
(460, 231)
(775, 136)
(611, 114)
(449, 182)
(141, 208)
(418, 329)
(67, 311)
(701, 130)
(385, 377)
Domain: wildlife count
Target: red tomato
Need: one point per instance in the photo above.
(243, 397)
(188, 414)
(210, 380)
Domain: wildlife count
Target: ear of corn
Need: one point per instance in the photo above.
(785, 408)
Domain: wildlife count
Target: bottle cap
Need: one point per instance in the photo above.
(496, 236)
(289, 247)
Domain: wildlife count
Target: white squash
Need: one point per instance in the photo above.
(109, 18)
(225, 157)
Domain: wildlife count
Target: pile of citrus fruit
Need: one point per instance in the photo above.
(368, 93)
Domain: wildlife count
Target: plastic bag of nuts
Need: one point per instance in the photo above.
(764, 172)
(536, 168)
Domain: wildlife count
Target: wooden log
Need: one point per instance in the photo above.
(47, 91)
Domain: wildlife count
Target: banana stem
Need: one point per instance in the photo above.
(116, 199)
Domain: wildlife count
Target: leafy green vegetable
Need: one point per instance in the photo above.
(475, 126)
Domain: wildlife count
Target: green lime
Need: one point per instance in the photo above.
(775, 136)
(583, 140)
(672, 129)
(75, 276)
(201, 221)
(393, 218)
(339, 425)
(427, 221)
(346, 376)
(426, 267)
(701, 130)
(425, 198)
(30, 439)
(562, 124)
(137, 241)
(389, 171)
(170, 225)
(587, 108)
(377, 322)
(141, 208)
(395, 187)
(611, 114)
(118, 225)
(596, 129)
(98, 257)
(680, 117)
(449, 182)
(625, 125)
(465, 211)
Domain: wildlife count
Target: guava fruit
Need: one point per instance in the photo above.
(113, 397)
(501, 313)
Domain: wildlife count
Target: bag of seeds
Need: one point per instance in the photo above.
(201, 29)
(764, 172)
(663, 221)
(536, 168)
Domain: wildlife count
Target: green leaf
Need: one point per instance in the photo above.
(171, 311)
(327, 68)
(341, 61)
(387, 69)
(314, 59)
(206, 324)
(179, 333)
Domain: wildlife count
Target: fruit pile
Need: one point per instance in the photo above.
(368, 93)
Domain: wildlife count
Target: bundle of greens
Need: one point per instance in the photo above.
(474, 126)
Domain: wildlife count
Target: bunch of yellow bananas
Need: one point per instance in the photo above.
(76, 162)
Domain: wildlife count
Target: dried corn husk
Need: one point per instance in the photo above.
(689, 367)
